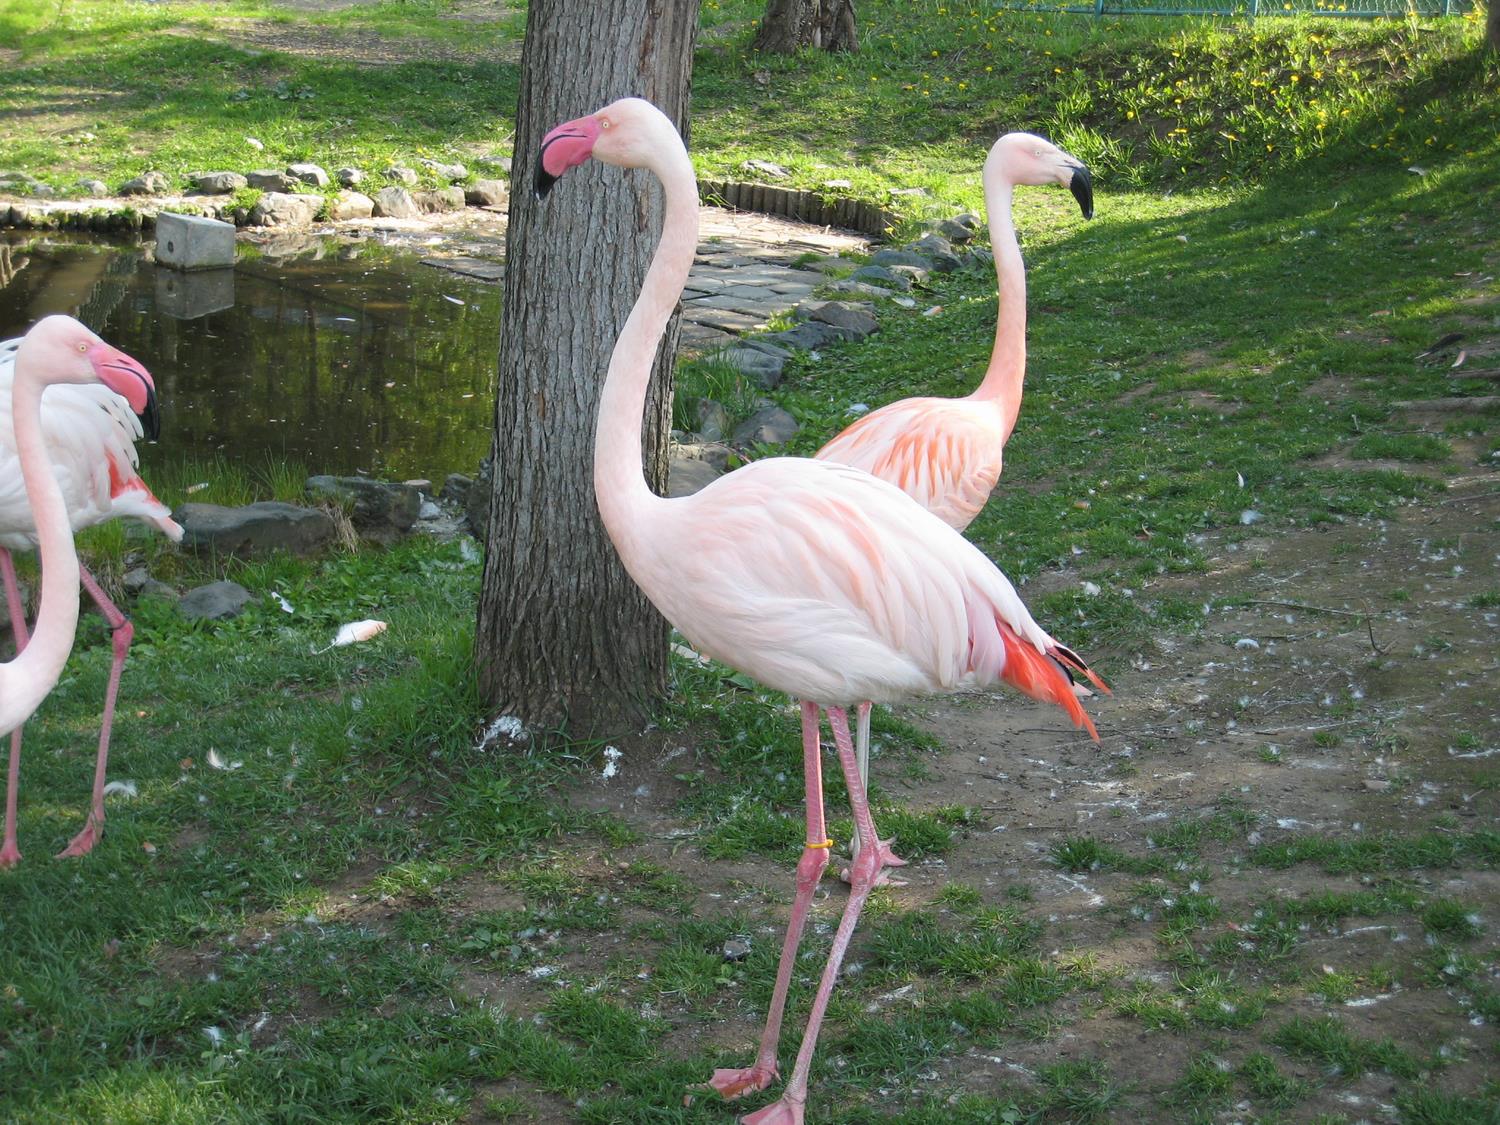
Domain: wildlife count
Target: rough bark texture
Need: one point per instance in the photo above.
(565, 639)
(1492, 26)
(790, 25)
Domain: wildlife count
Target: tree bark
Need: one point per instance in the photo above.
(790, 25)
(565, 639)
(1492, 26)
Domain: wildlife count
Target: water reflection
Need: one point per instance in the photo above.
(344, 356)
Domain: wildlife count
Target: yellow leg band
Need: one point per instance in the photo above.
(824, 844)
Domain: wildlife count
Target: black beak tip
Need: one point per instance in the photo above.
(1082, 187)
(544, 181)
(151, 417)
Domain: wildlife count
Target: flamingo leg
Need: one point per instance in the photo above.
(862, 758)
(121, 631)
(863, 872)
(731, 1083)
(10, 855)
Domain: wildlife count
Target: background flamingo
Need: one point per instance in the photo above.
(946, 453)
(86, 434)
(814, 578)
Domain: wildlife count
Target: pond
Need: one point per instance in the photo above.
(343, 355)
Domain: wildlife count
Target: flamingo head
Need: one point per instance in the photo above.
(73, 354)
(1025, 158)
(624, 133)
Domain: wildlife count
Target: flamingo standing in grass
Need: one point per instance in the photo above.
(946, 453)
(76, 455)
(814, 578)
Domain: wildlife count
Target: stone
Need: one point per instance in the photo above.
(882, 277)
(450, 172)
(968, 220)
(151, 183)
(138, 583)
(955, 231)
(381, 511)
(189, 295)
(456, 488)
(256, 529)
(860, 289)
(214, 602)
(349, 177)
(95, 189)
(939, 251)
(759, 365)
(495, 161)
(898, 258)
(713, 420)
(191, 242)
(770, 425)
(308, 174)
(686, 475)
(443, 199)
(914, 275)
(351, 205)
(736, 949)
(395, 203)
(806, 336)
(218, 183)
(856, 319)
(429, 511)
(487, 193)
(402, 174)
(281, 209)
(766, 168)
(268, 179)
(18, 182)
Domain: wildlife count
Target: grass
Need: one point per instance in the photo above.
(369, 915)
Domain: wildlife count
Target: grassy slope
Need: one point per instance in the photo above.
(356, 769)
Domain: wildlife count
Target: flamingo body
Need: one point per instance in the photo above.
(90, 434)
(946, 454)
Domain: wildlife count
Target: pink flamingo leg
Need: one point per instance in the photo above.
(734, 1082)
(863, 873)
(862, 757)
(10, 855)
(122, 631)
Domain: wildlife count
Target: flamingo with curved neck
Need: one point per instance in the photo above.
(946, 453)
(814, 578)
(58, 350)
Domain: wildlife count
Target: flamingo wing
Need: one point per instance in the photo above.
(946, 454)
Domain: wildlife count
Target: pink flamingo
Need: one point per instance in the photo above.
(946, 453)
(76, 446)
(814, 578)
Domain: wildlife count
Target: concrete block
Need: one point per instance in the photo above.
(187, 296)
(191, 242)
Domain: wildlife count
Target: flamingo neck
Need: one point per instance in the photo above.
(1007, 369)
(26, 680)
(619, 478)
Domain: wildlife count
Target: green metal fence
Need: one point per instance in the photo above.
(1249, 9)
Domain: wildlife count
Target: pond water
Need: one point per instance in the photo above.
(343, 355)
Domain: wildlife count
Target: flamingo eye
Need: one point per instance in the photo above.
(604, 123)
(83, 347)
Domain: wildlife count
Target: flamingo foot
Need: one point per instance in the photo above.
(780, 1112)
(84, 842)
(736, 1082)
(10, 855)
(888, 858)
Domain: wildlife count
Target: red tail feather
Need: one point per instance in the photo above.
(1032, 671)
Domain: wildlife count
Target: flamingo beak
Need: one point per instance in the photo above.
(566, 146)
(127, 378)
(1082, 187)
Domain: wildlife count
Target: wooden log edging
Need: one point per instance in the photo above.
(802, 206)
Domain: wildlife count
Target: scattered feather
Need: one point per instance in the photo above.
(611, 762)
(1247, 643)
(454, 300)
(286, 606)
(1459, 362)
(219, 763)
(123, 788)
(1250, 515)
(199, 487)
(933, 311)
(254, 143)
(1090, 589)
(353, 633)
(1240, 479)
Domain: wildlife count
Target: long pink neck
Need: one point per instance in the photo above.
(1007, 369)
(26, 680)
(619, 479)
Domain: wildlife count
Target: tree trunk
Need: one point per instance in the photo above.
(565, 638)
(1492, 26)
(790, 25)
